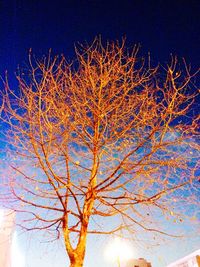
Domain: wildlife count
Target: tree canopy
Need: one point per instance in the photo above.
(105, 136)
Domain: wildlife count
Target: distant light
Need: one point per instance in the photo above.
(17, 258)
(1, 217)
(118, 249)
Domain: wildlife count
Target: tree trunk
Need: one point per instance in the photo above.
(76, 255)
(77, 261)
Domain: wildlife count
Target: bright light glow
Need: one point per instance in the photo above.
(17, 259)
(118, 249)
(1, 217)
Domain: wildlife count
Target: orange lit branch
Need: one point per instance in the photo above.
(103, 136)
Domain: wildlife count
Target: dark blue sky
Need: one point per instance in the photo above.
(161, 27)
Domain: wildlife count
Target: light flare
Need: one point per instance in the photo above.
(118, 250)
(1, 217)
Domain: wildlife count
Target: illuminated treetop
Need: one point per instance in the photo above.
(106, 136)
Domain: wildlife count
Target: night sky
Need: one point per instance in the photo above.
(160, 27)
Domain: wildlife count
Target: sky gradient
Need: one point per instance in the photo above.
(159, 27)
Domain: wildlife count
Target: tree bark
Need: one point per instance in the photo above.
(76, 255)
(77, 261)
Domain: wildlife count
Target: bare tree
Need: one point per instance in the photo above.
(105, 136)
